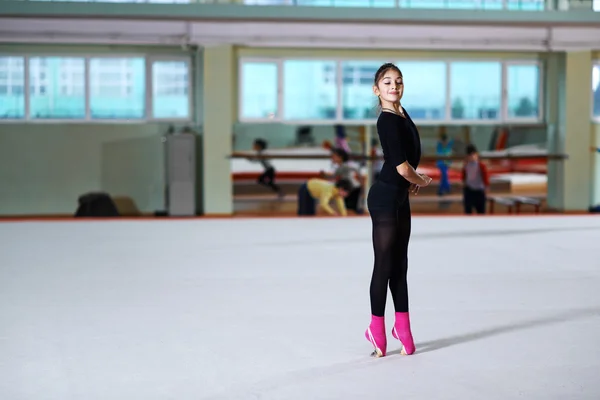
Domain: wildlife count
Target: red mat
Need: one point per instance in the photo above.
(495, 168)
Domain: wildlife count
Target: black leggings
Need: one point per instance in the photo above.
(473, 198)
(267, 178)
(390, 213)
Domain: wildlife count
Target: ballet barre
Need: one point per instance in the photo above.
(360, 157)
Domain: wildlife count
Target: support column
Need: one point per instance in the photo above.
(578, 130)
(219, 116)
(554, 89)
(569, 182)
(595, 201)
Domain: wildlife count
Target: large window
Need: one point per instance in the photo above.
(117, 88)
(434, 90)
(309, 90)
(596, 90)
(523, 91)
(424, 89)
(456, 4)
(84, 88)
(528, 5)
(475, 89)
(56, 88)
(259, 90)
(12, 87)
(170, 86)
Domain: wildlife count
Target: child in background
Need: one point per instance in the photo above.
(444, 148)
(345, 170)
(323, 191)
(341, 139)
(476, 182)
(267, 178)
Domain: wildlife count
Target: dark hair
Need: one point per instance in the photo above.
(341, 153)
(261, 143)
(381, 72)
(344, 184)
(471, 149)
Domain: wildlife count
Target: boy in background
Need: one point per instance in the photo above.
(476, 182)
(323, 191)
(267, 178)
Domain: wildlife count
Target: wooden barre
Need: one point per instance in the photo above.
(423, 159)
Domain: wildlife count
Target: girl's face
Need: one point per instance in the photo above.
(390, 88)
(336, 159)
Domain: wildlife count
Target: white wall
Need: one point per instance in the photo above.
(45, 167)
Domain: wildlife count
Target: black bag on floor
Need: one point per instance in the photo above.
(96, 205)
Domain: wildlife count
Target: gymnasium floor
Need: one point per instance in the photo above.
(503, 308)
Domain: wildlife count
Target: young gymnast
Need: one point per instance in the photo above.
(476, 182)
(345, 170)
(323, 191)
(341, 139)
(267, 178)
(444, 148)
(390, 210)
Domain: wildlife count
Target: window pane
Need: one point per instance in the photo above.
(347, 3)
(523, 91)
(259, 90)
(424, 89)
(56, 87)
(456, 4)
(358, 99)
(526, 5)
(266, 2)
(475, 90)
(170, 97)
(310, 90)
(12, 91)
(324, 3)
(596, 89)
(117, 88)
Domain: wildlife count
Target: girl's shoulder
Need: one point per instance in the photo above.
(389, 120)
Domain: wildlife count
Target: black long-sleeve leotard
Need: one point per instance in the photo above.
(400, 142)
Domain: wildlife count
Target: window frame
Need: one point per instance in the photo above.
(145, 117)
(240, 89)
(25, 88)
(451, 121)
(281, 80)
(595, 118)
(150, 60)
(148, 116)
(28, 118)
(502, 116)
(523, 120)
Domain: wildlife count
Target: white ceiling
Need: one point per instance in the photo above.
(297, 34)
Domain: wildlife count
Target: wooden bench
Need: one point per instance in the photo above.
(520, 200)
(505, 201)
